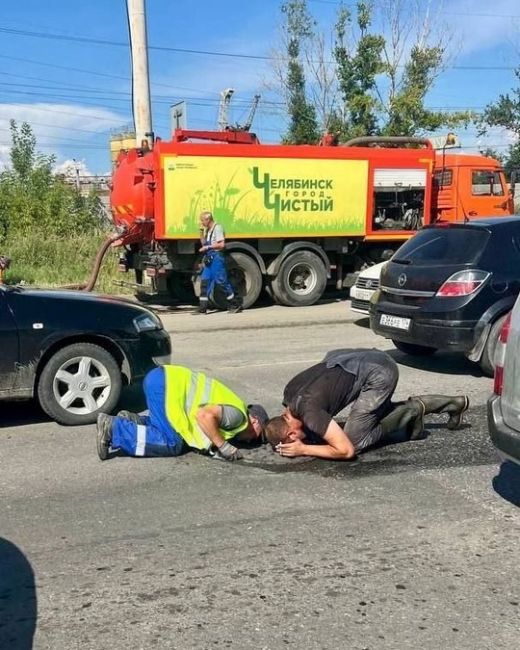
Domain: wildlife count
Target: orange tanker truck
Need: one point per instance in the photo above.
(297, 218)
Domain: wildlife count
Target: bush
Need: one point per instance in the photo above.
(57, 261)
(48, 228)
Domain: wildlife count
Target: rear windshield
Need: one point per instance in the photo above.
(443, 246)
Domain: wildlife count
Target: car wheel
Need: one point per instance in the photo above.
(78, 382)
(413, 349)
(487, 360)
(300, 281)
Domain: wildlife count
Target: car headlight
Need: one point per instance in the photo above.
(147, 322)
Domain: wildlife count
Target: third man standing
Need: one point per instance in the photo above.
(214, 272)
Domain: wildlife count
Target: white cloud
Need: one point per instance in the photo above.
(71, 169)
(60, 129)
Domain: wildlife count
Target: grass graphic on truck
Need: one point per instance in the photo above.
(254, 197)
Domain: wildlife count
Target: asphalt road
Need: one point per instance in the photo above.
(413, 545)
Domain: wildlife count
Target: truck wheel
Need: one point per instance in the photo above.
(180, 286)
(78, 382)
(414, 350)
(487, 360)
(246, 278)
(300, 281)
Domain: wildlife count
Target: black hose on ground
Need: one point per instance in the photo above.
(91, 283)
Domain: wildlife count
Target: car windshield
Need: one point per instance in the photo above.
(440, 246)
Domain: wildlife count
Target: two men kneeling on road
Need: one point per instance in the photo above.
(188, 409)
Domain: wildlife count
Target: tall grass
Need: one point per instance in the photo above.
(44, 261)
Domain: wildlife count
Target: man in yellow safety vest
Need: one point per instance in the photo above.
(187, 409)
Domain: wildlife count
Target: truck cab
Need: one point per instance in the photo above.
(467, 186)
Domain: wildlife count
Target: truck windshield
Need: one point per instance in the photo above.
(441, 246)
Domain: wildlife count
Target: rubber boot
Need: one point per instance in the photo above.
(408, 416)
(455, 406)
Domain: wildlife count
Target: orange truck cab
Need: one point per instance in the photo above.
(466, 186)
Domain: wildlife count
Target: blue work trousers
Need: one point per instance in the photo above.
(155, 436)
(215, 274)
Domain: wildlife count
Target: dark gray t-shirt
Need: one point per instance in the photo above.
(231, 417)
(318, 393)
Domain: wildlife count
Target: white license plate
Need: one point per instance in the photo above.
(363, 294)
(395, 321)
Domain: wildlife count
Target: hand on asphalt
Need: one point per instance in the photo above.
(228, 452)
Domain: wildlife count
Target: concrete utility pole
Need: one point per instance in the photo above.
(140, 79)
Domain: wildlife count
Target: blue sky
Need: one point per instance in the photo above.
(74, 92)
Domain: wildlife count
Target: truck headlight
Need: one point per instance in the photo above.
(147, 323)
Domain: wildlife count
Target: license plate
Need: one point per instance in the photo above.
(364, 294)
(395, 321)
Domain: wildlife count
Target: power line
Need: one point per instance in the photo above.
(258, 57)
(448, 13)
(91, 72)
(100, 41)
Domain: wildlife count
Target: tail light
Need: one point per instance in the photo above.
(500, 355)
(463, 283)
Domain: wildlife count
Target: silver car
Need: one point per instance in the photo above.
(503, 406)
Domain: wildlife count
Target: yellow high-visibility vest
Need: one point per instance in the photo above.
(186, 391)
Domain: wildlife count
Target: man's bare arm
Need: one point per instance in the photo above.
(337, 446)
(208, 418)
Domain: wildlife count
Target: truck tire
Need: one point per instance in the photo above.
(246, 278)
(78, 382)
(414, 350)
(300, 281)
(487, 360)
(181, 287)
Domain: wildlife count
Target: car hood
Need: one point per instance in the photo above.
(80, 296)
(68, 309)
(373, 272)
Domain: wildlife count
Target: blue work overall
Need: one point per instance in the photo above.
(214, 272)
(155, 436)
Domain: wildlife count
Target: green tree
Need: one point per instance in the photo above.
(303, 127)
(34, 199)
(505, 112)
(357, 69)
(407, 113)
(377, 79)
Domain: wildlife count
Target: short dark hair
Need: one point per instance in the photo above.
(276, 430)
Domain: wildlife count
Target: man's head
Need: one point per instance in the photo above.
(284, 428)
(206, 219)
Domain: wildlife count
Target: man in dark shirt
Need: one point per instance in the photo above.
(364, 378)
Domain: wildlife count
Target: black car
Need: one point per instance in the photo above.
(450, 287)
(75, 350)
